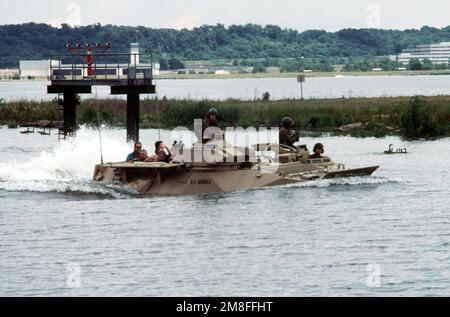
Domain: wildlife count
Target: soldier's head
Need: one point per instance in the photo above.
(143, 154)
(137, 146)
(158, 144)
(287, 122)
(318, 149)
(213, 115)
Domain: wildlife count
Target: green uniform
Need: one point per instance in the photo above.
(205, 125)
(288, 137)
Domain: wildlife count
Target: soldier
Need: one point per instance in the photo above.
(211, 121)
(136, 154)
(318, 151)
(162, 152)
(288, 135)
(145, 157)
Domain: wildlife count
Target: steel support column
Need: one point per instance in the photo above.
(133, 117)
(70, 103)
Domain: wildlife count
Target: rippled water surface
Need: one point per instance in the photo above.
(388, 234)
(250, 88)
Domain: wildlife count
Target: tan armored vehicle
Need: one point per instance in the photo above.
(213, 168)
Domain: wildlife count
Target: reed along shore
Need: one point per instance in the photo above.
(409, 117)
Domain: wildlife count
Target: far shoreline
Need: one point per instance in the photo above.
(274, 75)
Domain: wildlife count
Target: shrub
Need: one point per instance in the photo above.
(259, 68)
(417, 120)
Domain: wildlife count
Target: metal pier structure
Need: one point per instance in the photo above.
(77, 71)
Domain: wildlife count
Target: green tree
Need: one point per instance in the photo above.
(323, 66)
(442, 66)
(211, 42)
(387, 64)
(427, 64)
(417, 120)
(415, 64)
(259, 68)
(289, 66)
(360, 65)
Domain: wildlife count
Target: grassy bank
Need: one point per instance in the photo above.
(420, 117)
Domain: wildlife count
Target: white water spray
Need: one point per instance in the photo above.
(68, 167)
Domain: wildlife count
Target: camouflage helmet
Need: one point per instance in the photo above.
(287, 122)
(212, 111)
(318, 146)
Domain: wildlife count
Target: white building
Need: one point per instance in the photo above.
(156, 69)
(222, 72)
(35, 68)
(437, 53)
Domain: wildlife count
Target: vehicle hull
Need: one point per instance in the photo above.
(161, 179)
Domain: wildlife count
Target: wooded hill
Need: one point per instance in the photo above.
(208, 42)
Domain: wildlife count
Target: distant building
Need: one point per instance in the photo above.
(35, 68)
(8, 73)
(102, 68)
(222, 72)
(437, 53)
(135, 54)
(156, 69)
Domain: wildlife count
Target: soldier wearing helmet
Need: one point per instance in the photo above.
(318, 151)
(211, 121)
(213, 116)
(288, 135)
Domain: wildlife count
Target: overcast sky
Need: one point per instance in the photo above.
(301, 15)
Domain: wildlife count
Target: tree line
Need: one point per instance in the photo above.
(290, 48)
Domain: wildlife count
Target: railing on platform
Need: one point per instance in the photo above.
(104, 67)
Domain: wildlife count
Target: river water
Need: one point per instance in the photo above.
(61, 234)
(279, 88)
